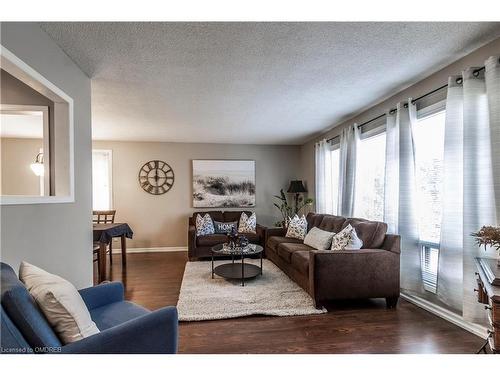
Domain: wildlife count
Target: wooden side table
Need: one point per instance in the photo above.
(488, 293)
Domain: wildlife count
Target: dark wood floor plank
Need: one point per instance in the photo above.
(153, 280)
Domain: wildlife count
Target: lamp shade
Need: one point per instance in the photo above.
(296, 186)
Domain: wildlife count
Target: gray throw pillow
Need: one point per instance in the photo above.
(225, 228)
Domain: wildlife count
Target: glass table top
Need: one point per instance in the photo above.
(237, 250)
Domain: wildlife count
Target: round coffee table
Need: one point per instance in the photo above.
(237, 270)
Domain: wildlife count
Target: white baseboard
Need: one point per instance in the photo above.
(170, 249)
(456, 319)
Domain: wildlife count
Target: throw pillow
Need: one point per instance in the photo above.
(204, 225)
(248, 224)
(346, 239)
(297, 227)
(224, 228)
(356, 243)
(319, 239)
(60, 302)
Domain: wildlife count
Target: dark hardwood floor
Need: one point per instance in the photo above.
(153, 280)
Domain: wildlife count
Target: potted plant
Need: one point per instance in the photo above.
(287, 210)
(489, 236)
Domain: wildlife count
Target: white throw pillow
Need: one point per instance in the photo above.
(297, 227)
(319, 239)
(346, 239)
(248, 224)
(356, 243)
(204, 225)
(60, 302)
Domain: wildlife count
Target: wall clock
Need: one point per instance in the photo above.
(156, 177)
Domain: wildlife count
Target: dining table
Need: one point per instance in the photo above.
(103, 234)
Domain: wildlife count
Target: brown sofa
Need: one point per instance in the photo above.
(199, 247)
(370, 272)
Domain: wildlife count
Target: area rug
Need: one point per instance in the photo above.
(273, 293)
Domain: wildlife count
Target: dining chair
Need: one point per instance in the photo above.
(105, 217)
(95, 255)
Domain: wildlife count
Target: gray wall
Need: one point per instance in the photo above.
(56, 237)
(161, 221)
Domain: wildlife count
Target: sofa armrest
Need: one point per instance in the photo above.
(392, 242)
(191, 238)
(364, 273)
(102, 294)
(153, 333)
(271, 232)
(261, 232)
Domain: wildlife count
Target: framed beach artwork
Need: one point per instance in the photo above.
(223, 183)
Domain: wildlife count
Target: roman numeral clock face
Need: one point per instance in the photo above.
(156, 177)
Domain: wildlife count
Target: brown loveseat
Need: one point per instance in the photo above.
(370, 272)
(199, 247)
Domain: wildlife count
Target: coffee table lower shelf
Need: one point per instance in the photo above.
(237, 271)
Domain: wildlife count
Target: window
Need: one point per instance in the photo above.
(428, 136)
(335, 160)
(429, 266)
(101, 180)
(370, 175)
(429, 151)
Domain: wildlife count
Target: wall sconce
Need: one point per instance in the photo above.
(37, 167)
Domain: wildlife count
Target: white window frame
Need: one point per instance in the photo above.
(110, 174)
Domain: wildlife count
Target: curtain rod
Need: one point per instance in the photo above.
(393, 110)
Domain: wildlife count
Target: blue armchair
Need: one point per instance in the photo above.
(125, 327)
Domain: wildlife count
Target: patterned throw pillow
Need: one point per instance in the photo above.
(204, 225)
(346, 239)
(248, 224)
(297, 227)
(224, 228)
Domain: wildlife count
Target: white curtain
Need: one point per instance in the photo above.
(324, 198)
(347, 170)
(450, 274)
(400, 203)
(472, 182)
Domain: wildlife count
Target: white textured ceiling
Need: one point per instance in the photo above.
(262, 83)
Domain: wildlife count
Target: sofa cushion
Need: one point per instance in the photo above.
(332, 223)
(274, 241)
(211, 239)
(372, 233)
(24, 312)
(285, 250)
(300, 261)
(313, 220)
(111, 315)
